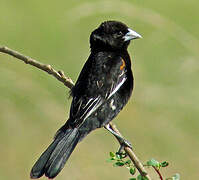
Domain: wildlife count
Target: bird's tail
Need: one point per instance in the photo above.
(54, 158)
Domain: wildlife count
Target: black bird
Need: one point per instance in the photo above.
(103, 88)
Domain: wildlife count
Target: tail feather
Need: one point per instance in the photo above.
(52, 161)
(61, 154)
(38, 168)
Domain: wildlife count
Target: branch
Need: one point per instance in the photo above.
(59, 75)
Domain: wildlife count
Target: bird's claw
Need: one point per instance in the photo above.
(126, 143)
(121, 153)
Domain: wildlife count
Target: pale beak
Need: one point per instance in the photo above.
(131, 35)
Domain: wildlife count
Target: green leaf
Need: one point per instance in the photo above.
(132, 170)
(110, 160)
(132, 179)
(128, 161)
(154, 163)
(140, 177)
(164, 164)
(119, 164)
(123, 154)
(118, 156)
(112, 154)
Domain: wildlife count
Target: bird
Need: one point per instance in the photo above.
(102, 89)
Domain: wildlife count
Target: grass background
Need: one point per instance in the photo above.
(161, 119)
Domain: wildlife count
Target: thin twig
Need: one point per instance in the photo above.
(59, 75)
(158, 172)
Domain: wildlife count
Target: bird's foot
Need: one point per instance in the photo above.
(125, 143)
(121, 152)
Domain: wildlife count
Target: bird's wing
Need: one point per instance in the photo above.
(97, 83)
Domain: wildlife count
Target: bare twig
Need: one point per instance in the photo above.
(59, 75)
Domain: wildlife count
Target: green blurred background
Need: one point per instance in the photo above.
(161, 119)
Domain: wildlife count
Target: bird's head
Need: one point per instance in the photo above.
(112, 35)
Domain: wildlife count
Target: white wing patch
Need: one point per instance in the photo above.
(91, 108)
(115, 89)
(86, 110)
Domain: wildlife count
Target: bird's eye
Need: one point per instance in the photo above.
(119, 33)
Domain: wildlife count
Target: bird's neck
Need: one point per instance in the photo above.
(108, 49)
(123, 53)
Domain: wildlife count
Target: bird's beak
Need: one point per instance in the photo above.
(131, 35)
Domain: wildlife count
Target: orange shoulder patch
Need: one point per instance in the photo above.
(123, 65)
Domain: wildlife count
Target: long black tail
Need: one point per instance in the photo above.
(54, 158)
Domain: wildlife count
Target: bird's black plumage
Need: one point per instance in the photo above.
(103, 88)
